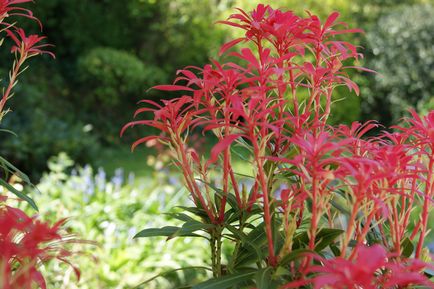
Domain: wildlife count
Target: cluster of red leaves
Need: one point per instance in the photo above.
(274, 100)
(26, 243)
(370, 269)
(8, 8)
(25, 46)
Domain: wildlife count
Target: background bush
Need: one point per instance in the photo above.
(402, 47)
(109, 53)
(109, 74)
(111, 81)
(43, 129)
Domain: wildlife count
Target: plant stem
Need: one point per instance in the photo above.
(426, 205)
(12, 81)
(189, 178)
(314, 220)
(350, 228)
(216, 245)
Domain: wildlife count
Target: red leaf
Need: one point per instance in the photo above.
(221, 146)
(138, 122)
(172, 87)
(361, 68)
(346, 31)
(331, 20)
(228, 45)
(143, 140)
(187, 73)
(232, 24)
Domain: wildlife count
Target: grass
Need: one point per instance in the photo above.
(122, 157)
(136, 162)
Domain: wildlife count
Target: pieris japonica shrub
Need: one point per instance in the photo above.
(327, 206)
(26, 243)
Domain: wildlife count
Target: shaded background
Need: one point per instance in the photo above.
(109, 52)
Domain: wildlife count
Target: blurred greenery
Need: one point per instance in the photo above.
(402, 47)
(110, 210)
(44, 128)
(109, 53)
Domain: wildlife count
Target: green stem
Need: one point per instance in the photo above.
(237, 243)
(216, 257)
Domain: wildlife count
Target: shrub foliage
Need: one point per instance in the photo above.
(322, 198)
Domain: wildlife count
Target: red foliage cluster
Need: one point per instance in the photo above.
(8, 8)
(274, 99)
(26, 243)
(364, 272)
(25, 46)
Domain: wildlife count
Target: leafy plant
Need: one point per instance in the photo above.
(24, 48)
(26, 243)
(322, 197)
(108, 209)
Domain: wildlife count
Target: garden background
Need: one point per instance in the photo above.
(108, 54)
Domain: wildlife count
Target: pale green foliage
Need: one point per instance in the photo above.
(110, 211)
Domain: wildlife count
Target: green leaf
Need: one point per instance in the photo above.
(8, 131)
(172, 232)
(232, 201)
(14, 170)
(244, 175)
(326, 237)
(335, 250)
(191, 226)
(341, 208)
(300, 241)
(19, 194)
(196, 211)
(157, 232)
(244, 239)
(231, 216)
(429, 273)
(228, 281)
(172, 271)
(407, 248)
(294, 255)
(180, 216)
(256, 237)
(256, 210)
(263, 278)
(353, 243)
(230, 198)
